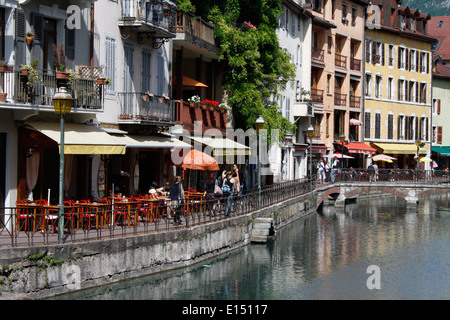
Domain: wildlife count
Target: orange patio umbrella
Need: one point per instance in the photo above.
(189, 82)
(198, 160)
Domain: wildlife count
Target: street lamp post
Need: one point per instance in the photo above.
(62, 102)
(259, 126)
(342, 139)
(418, 142)
(310, 135)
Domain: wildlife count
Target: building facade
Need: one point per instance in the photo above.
(289, 160)
(397, 91)
(337, 77)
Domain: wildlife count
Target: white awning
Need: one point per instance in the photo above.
(81, 138)
(135, 141)
(223, 146)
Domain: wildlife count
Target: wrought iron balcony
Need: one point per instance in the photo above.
(147, 19)
(140, 107)
(317, 55)
(340, 99)
(340, 60)
(17, 90)
(355, 64)
(317, 95)
(355, 102)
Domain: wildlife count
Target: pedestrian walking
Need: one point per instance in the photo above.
(176, 195)
(321, 171)
(334, 169)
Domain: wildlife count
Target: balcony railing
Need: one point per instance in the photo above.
(139, 106)
(355, 64)
(340, 99)
(340, 60)
(151, 16)
(355, 102)
(317, 95)
(187, 23)
(317, 55)
(87, 94)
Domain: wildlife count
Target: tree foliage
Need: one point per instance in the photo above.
(256, 67)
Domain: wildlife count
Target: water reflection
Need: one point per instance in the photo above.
(323, 256)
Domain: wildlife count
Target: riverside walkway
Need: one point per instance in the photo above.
(14, 233)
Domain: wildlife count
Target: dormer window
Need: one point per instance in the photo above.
(402, 22)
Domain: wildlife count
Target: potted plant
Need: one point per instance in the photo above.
(4, 67)
(194, 100)
(104, 81)
(31, 72)
(60, 63)
(223, 107)
(29, 37)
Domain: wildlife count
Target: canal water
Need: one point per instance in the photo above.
(375, 249)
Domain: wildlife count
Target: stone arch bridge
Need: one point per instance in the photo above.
(411, 191)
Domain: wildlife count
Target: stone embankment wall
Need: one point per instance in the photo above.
(40, 272)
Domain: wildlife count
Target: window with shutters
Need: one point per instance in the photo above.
(378, 86)
(110, 64)
(20, 32)
(423, 62)
(401, 58)
(401, 90)
(146, 70)
(161, 75)
(391, 55)
(390, 127)
(412, 60)
(367, 125)
(401, 127)
(439, 134)
(377, 125)
(390, 88)
(436, 107)
(368, 50)
(287, 112)
(368, 84)
(423, 93)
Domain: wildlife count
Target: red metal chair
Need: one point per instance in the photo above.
(22, 214)
(70, 213)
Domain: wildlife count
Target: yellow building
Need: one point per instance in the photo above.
(397, 84)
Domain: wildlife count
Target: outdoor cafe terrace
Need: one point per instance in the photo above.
(36, 223)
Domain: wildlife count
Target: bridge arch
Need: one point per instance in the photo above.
(412, 193)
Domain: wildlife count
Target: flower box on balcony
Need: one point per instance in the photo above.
(3, 97)
(24, 72)
(62, 75)
(6, 69)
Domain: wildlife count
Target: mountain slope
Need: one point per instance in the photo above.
(433, 7)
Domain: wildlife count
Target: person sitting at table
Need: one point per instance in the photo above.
(153, 188)
(164, 191)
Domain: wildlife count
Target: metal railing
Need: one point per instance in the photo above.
(317, 95)
(340, 60)
(187, 23)
(317, 54)
(355, 64)
(340, 99)
(87, 94)
(28, 225)
(355, 101)
(143, 106)
(155, 13)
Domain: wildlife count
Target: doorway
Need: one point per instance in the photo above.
(49, 41)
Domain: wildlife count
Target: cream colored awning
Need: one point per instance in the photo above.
(398, 148)
(81, 138)
(223, 146)
(135, 141)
